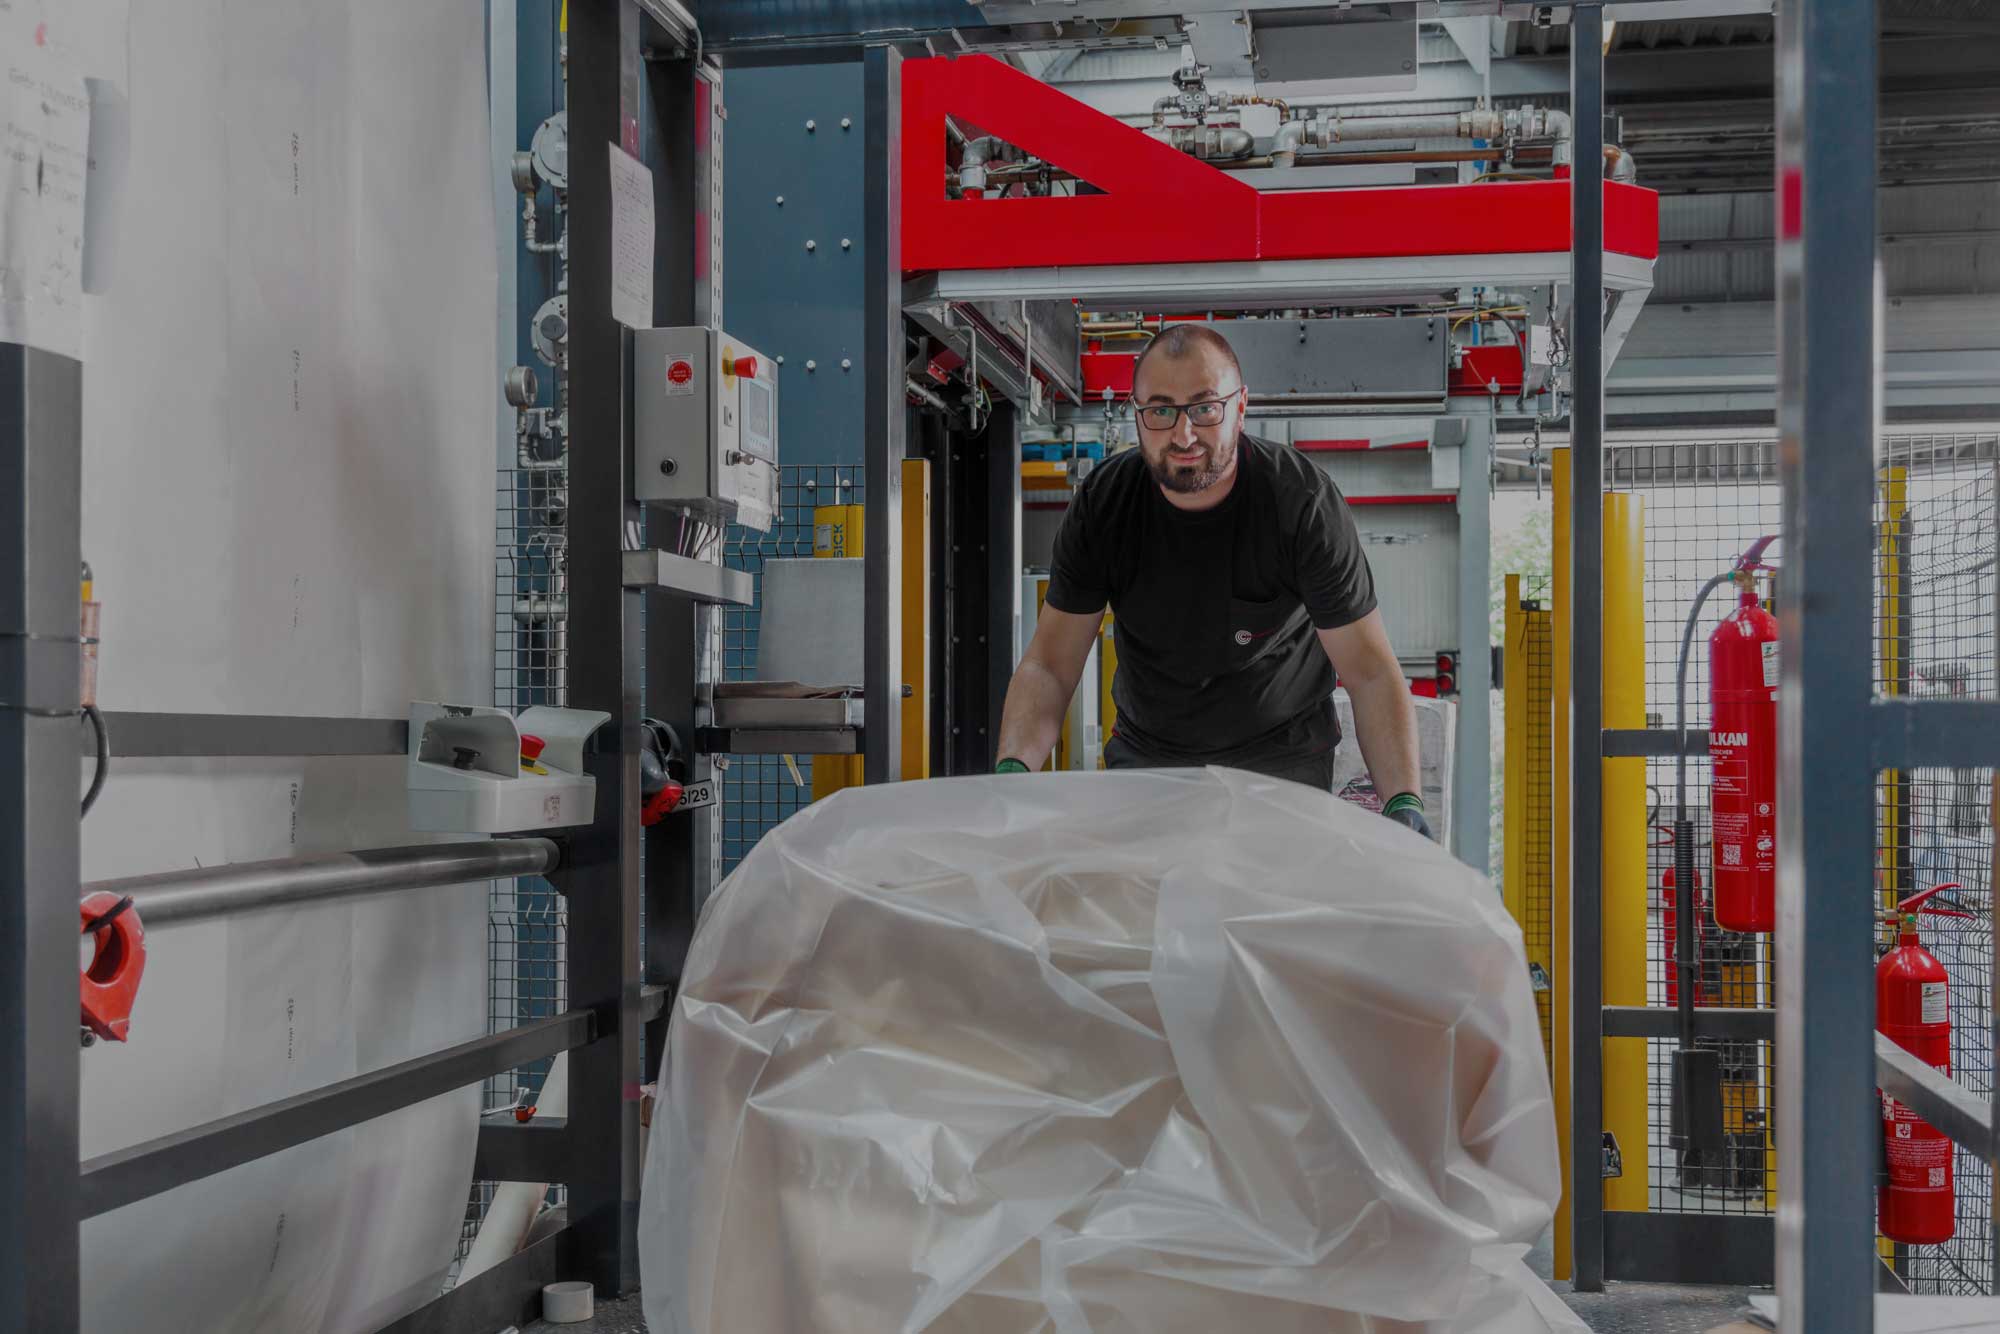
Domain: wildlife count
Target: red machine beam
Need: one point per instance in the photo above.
(1160, 206)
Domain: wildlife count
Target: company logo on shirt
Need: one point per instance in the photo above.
(1245, 638)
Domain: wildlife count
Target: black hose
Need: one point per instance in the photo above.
(1686, 963)
(1680, 694)
(96, 721)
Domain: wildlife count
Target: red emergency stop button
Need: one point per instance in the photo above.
(743, 366)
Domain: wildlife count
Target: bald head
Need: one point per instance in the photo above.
(1179, 341)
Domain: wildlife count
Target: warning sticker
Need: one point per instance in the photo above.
(1936, 1008)
(680, 376)
(1770, 648)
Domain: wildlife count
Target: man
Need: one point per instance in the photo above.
(1238, 584)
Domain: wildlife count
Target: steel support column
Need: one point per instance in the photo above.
(1827, 427)
(41, 431)
(1586, 646)
(683, 853)
(602, 878)
(886, 416)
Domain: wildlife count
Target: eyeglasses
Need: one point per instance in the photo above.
(1164, 416)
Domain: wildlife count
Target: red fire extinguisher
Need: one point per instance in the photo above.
(1913, 1009)
(1670, 923)
(1743, 755)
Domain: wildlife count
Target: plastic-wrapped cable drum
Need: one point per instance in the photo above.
(1104, 1052)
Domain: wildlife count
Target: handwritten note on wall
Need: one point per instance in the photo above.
(631, 240)
(44, 159)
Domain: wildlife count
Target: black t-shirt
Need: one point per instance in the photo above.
(1215, 611)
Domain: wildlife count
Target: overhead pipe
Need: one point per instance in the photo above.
(1209, 143)
(173, 897)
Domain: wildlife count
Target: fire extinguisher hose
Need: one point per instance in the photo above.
(1680, 698)
(1685, 961)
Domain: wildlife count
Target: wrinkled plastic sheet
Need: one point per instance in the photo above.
(1107, 1052)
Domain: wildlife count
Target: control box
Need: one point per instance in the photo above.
(705, 425)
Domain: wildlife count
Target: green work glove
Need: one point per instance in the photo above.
(1010, 766)
(1407, 809)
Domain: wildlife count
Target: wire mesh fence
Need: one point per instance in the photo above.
(1935, 638)
(1704, 501)
(525, 918)
(1538, 823)
(759, 792)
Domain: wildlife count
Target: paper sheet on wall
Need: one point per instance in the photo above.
(44, 157)
(289, 433)
(631, 240)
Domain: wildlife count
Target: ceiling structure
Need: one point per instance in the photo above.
(1689, 82)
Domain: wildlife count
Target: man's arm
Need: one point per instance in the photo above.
(1385, 721)
(1044, 684)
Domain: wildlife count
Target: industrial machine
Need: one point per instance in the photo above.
(705, 425)
(1394, 286)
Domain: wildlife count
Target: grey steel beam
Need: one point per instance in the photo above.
(1943, 733)
(1653, 742)
(1655, 1021)
(602, 876)
(218, 735)
(172, 897)
(41, 431)
(1586, 340)
(886, 413)
(1251, 284)
(511, 1150)
(112, 1180)
(1733, 1250)
(1827, 427)
(1965, 1116)
(681, 636)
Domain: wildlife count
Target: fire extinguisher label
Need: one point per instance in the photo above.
(1936, 1008)
(1770, 648)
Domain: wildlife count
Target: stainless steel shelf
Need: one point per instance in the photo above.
(737, 713)
(781, 741)
(696, 579)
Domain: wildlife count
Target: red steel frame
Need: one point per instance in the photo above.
(1141, 218)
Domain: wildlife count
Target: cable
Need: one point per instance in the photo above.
(96, 720)
(108, 916)
(1490, 310)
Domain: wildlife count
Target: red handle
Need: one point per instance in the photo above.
(1915, 903)
(110, 983)
(1753, 557)
(661, 804)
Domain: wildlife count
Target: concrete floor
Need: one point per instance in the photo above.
(613, 1317)
(1626, 1308)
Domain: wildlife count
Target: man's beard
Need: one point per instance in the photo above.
(1190, 479)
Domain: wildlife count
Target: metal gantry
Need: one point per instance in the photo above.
(1586, 647)
(1827, 1121)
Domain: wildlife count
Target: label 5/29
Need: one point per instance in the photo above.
(697, 795)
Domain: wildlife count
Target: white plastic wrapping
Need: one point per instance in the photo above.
(1105, 1052)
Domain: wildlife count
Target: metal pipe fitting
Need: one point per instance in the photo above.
(1209, 143)
(174, 897)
